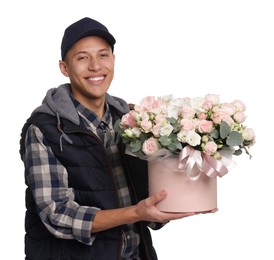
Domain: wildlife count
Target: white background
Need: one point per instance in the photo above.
(184, 48)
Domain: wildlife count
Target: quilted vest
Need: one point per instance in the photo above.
(90, 174)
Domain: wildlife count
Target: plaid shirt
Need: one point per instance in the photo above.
(48, 180)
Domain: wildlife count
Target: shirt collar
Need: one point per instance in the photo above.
(92, 118)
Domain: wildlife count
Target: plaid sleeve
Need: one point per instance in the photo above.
(48, 180)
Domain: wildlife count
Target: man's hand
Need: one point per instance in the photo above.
(145, 210)
(148, 211)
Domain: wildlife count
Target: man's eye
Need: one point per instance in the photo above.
(81, 58)
(104, 55)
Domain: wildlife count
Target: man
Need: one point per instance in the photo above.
(85, 198)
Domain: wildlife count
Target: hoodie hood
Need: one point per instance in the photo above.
(58, 102)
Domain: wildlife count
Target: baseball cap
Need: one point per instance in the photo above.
(83, 28)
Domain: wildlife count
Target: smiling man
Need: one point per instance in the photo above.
(85, 198)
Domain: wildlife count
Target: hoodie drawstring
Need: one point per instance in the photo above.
(63, 134)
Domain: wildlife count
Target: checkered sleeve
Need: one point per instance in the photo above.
(48, 180)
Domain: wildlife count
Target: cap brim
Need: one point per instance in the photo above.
(97, 32)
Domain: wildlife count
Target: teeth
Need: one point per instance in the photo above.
(96, 78)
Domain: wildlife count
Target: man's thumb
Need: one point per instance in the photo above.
(160, 196)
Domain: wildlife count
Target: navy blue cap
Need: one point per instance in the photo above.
(83, 28)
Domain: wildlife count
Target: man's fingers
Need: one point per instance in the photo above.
(152, 200)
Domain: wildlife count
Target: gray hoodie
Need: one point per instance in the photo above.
(58, 102)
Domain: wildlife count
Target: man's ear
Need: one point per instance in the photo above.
(63, 67)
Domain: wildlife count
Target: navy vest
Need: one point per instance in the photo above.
(90, 174)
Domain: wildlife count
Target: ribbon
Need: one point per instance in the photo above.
(213, 168)
(195, 163)
(191, 161)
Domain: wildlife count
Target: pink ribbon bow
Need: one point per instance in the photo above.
(195, 162)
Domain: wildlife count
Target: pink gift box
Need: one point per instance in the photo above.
(184, 194)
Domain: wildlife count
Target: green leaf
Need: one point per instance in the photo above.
(171, 120)
(224, 129)
(135, 146)
(117, 126)
(118, 130)
(238, 152)
(214, 134)
(234, 139)
(143, 137)
(174, 124)
(176, 145)
(126, 140)
(164, 140)
(170, 142)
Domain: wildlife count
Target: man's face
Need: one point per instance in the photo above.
(90, 66)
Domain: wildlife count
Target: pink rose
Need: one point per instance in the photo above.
(228, 119)
(239, 117)
(205, 126)
(146, 125)
(249, 134)
(148, 104)
(187, 124)
(128, 120)
(210, 148)
(159, 118)
(228, 108)
(202, 116)
(207, 105)
(214, 99)
(240, 106)
(188, 113)
(218, 115)
(150, 146)
(156, 130)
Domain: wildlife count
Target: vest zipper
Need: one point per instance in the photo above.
(105, 154)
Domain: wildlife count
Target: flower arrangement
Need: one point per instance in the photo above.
(202, 123)
(199, 135)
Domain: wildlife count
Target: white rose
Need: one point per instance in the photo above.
(193, 138)
(166, 130)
